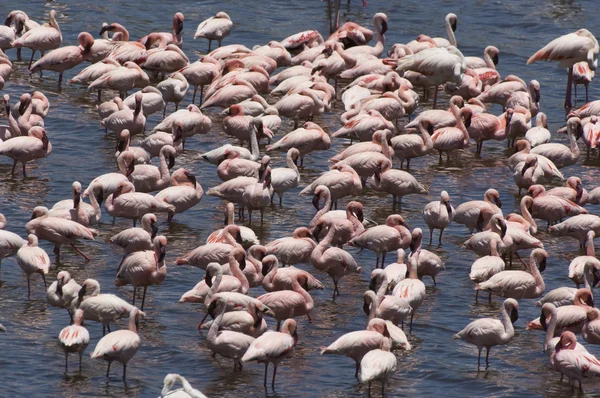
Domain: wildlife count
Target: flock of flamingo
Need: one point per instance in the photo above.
(302, 76)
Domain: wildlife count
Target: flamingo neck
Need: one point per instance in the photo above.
(214, 327)
(163, 168)
(289, 162)
(494, 248)
(540, 286)
(254, 145)
(95, 205)
(132, 326)
(509, 330)
(322, 211)
(308, 300)
(234, 266)
(590, 250)
(550, 328)
(527, 216)
(450, 33)
(268, 279)
(383, 288)
(488, 60)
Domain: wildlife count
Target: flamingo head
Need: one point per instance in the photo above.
(530, 161)
(452, 19)
(24, 102)
(512, 308)
(593, 314)
(178, 23)
(416, 237)
(86, 41)
(567, 341)
(190, 177)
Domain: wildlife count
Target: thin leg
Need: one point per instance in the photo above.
(80, 355)
(266, 368)
(274, 373)
(356, 371)
(134, 294)
(24, 171)
(412, 314)
(209, 43)
(103, 330)
(144, 297)
(12, 172)
(568, 104)
(479, 358)
(441, 232)
(60, 79)
(369, 391)
(67, 362)
(44, 278)
(87, 259)
(31, 59)
(201, 94)
(487, 357)
(383, 260)
(383, 387)
(435, 93)
(430, 236)
(124, 370)
(278, 327)
(28, 286)
(108, 369)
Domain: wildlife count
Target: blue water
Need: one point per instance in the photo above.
(32, 361)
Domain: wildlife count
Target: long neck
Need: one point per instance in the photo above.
(348, 59)
(588, 270)
(380, 39)
(383, 288)
(494, 248)
(95, 205)
(228, 238)
(132, 326)
(235, 271)
(488, 60)
(527, 216)
(460, 124)
(268, 279)
(427, 142)
(15, 131)
(356, 224)
(540, 286)
(307, 297)
(322, 211)
(372, 306)
(450, 33)
(163, 168)
(215, 286)
(590, 250)
(214, 328)
(54, 23)
(289, 162)
(413, 266)
(551, 327)
(509, 330)
(573, 144)
(254, 144)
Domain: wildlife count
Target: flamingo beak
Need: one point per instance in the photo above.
(82, 291)
(498, 202)
(514, 315)
(76, 200)
(366, 307)
(154, 229)
(373, 284)
(59, 286)
(542, 266)
(179, 26)
(315, 201)
(121, 145)
(192, 178)
(543, 321)
(171, 161)
(495, 59)
(130, 168)
(579, 189)
(384, 27)
(163, 251)
(107, 28)
(525, 167)
(208, 279)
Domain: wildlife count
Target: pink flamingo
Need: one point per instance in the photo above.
(74, 338)
(342, 181)
(125, 202)
(63, 292)
(121, 345)
(171, 38)
(248, 236)
(307, 139)
(136, 239)
(201, 73)
(41, 38)
(468, 213)
(273, 347)
(575, 364)
(334, 261)
(144, 268)
(295, 249)
(65, 58)
(33, 260)
(125, 50)
(438, 215)
(184, 193)
(568, 50)
(447, 139)
(58, 231)
(288, 303)
(213, 252)
(214, 28)
(283, 278)
(27, 148)
(398, 183)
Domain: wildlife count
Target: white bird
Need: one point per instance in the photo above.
(74, 338)
(121, 345)
(285, 178)
(378, 364)
(438, 215)
(214, 28)
(489, 332)
(185, 392)
(173, 89)
(63, 291)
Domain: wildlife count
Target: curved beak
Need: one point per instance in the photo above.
(163, 251)
(130, 168)
(191, 178)
(315, 201)
(154, 229)
(514, 315)
(498, 202)
(76, 200)
(503, 228)
(525, 167)
(366, 307)
(384, 27)
(208, 278)
(179, 26)
(495, 59)
(171, 161)
(82, 292)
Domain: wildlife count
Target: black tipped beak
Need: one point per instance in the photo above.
(542, 267)
(121, 145)
(179, 27)
(7, 21)
(590, 301)
(100, 197)
(498, 202)
(130, 168)
(238, 238)
(106, 28)
(579, 189)
(192, 179)
(59, 286)
(76, 200)
(579, 133)
(503, 229)
(208, 279)
(154, 229)
(171, 162)
(543, 321)
(163, 251)
(495, 59)
(480, 222)
(524, 169)
(366, 307)
(384, 27)
(82, 292)
(537, 96)
(453, 26)
(514, 315)
(265, 270)
(372, 284)
(315, 202)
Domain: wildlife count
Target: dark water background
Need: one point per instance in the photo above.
(31, 362)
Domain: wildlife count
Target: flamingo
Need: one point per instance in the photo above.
(27, 148)
(552, 208)
(342, 181)
(33, 259)
(438, 215)
(288, 304)
(190, 121)
(149, 178)
(248, 237)
(171, 38)
(240, 126)
(388, 307)
(273, 347)
(65, 58)
(489, 60)
(577, 227)
(10, 242)
(295, 249)
(311, 137)
(121, 345)
(582, 74)
(568, 317)
(121, 79)
(214, 28)
(568, 50)
(363, 125)
(74, 338)
(384, 238)
(376, 145)
(213, 252)
(399, 183)
(104, 308)
(283, 278)
(174, 88)
(125, 202)
(187, 389)
(357, 344)
(428, 263)
(184, 192)
(560, 154)
(591, 327)
(135, 239)
(550, 314)
(227, 343)
(58, 231)
(123, 144)
(124, 50)
(285, 178)
(126, 119)
(63, 291)
(576, 365)
(519, 284)
(409, 146)
(489, 332)
(41, 38)
(468, 213)
(143, 268)
(333, 260)
(411, 289)
(378, 364)
(201, 73)
(539, 134)
(447, 139)
(487, 266)
(152, 101)
(347, 224)
(94, 71)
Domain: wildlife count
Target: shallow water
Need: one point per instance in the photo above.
(32, 361)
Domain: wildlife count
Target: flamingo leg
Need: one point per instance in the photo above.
(431, 236)
(266, 368)
(66, 362)
(568, 104)
(487, 358)
(87, 259)
(201, 94)
(124, 370)
(28, 286)
(44, 278)
(356, 371)
(144, 297)
(479, 358)
(441, 232)
(31, 59)
(435, 93)
(275, 372)
(108, 369)
(134, 292)
(278, 327)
